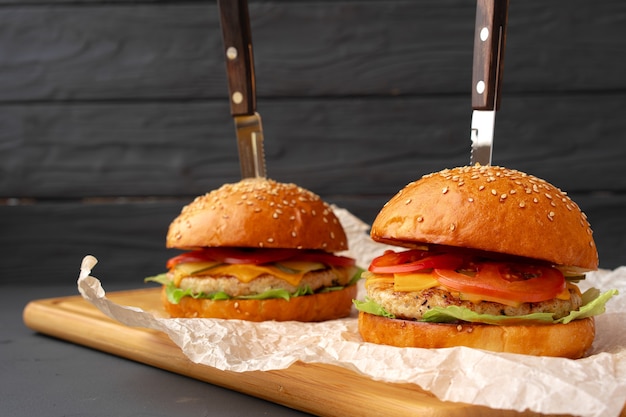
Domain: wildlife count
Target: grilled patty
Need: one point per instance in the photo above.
(413, 305)
(315, 280)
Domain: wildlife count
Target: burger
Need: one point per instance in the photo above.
(258, 250)
(489, 259)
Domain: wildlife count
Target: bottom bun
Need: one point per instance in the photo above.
(570, 340)
(317, 307)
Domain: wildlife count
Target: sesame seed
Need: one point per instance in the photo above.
(294, 234)
(408, 201)
(503, 197)
(420, 219)
(535, 200)
(270, 240)
(548, 196)
(471, 200)
(445, 190)
(332, 235)
(452, 227)
(522, 204)
(494, 192)
(513, 192)
(482, 187)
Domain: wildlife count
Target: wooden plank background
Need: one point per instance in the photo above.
(114, 114)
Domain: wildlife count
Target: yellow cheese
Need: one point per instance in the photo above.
(375, 279)
(414, 282)
(476, 298)
(185, 269)
(565, 295)
(292, 273)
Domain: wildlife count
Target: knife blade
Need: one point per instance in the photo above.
(487, 70)
(237, 38)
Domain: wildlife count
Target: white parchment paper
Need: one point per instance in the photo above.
(591, 386)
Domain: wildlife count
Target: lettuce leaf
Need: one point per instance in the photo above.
(175, 294)
(372, 307)
(593, 304)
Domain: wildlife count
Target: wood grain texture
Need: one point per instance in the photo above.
(113, 114)
(45, 242)
(323, 390)
(349, 146)
(91, 50)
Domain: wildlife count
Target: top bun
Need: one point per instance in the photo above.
(493, 209)
(258, 213)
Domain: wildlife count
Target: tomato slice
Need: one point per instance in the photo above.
(233, 256)
(508, 281)
(258, 256)
(414, 260)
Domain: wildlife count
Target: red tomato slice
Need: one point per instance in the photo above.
(508, 281)
(234, 256)
(414, 260)
(258, 256)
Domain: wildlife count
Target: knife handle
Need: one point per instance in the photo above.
(489, 43)
(237, 37)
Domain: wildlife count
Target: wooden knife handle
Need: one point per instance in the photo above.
(237, 36)
(489, 45)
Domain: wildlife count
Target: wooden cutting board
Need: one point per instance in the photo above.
(319, 389)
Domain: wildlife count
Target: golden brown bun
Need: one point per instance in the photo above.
(570, 340)
(308, 308)
(258, 213)
(492, 209)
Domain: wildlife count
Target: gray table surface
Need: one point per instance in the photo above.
(45, 376)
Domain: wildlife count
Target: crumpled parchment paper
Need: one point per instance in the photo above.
(594, 386)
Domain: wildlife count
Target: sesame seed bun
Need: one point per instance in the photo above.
(258, 213)
(497, 213)
(261, 214)
(489, 208)
(311, 308)
(569, 340)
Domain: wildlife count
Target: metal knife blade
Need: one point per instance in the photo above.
(237, 37)
(488, 66)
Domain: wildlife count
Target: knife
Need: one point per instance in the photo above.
(489, 43)
(237, 37)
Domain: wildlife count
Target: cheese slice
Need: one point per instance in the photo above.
(292, 272)
(414, 282)
(375, 279)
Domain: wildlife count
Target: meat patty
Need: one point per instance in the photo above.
(413, 305)
(315, 280)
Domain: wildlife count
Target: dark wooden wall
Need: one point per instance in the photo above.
(114, 114)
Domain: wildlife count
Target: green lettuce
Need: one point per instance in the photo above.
(593, 304)
(175, 294)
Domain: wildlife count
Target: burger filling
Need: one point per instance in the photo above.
(450, 285)
(241, 273)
